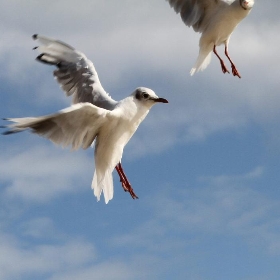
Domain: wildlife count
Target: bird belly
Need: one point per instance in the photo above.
(112, 139)
(220, 29)
(217, 34)
(110, 144)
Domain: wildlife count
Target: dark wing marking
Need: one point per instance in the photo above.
(75, 126)
(197, 13)
(75, 73)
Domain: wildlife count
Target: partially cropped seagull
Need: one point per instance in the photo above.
(94, 116)
(215, 20)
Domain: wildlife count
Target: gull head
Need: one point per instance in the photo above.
(147, 97)
(247, 4)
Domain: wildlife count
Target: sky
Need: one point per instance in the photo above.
(205, 166)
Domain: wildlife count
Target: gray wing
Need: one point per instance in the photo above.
(75, 73)
(75, 126)
(197, 13)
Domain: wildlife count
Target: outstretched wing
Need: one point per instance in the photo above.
(197, 13)
(75, 126)
(75, 73)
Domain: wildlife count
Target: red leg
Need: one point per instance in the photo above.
(224, 68)
(233, 68)
(124, 181)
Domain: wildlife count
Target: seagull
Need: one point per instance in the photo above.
(215, 20)
(93, 116)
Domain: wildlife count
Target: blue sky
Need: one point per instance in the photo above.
(205, 166)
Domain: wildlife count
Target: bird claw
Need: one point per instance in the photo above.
(234, 71)
(127, 188)
(224, 68)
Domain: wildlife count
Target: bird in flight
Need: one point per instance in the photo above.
(94, 115)
(215, 20)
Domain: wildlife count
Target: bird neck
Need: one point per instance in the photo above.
(133, 110)
(238, 11)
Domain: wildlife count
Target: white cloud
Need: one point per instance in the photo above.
(222, 180)
(104, 270)
(19, 260)
(199, 106)
(219, 206)
(225, 205)
(39, 228)
(41, 173)
(140, 43)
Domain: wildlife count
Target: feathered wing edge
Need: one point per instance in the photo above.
(58, 128)
(75, 73)
(75, 126)
(197, 13)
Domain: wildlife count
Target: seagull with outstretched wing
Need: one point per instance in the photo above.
(215, 20)
(94, 115)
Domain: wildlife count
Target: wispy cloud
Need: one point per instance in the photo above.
(39, 174)
(40, 228)
(175, 231)
(222, 205)
(20, 260)
(198, 108)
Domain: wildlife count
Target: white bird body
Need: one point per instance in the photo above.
(216, 20)
(122, 123)
(96, 117)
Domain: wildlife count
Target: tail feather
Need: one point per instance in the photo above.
(202, 61)
(103, 183)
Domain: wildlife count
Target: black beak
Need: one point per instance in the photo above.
(162, 100)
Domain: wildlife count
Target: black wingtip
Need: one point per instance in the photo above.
(42, 60)
(7, 132)
(35, 36)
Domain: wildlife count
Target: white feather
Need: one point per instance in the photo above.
(96, 118)
(202, 61)
(214, 19)
(79, 125)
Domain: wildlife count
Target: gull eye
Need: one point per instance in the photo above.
(145, 95)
